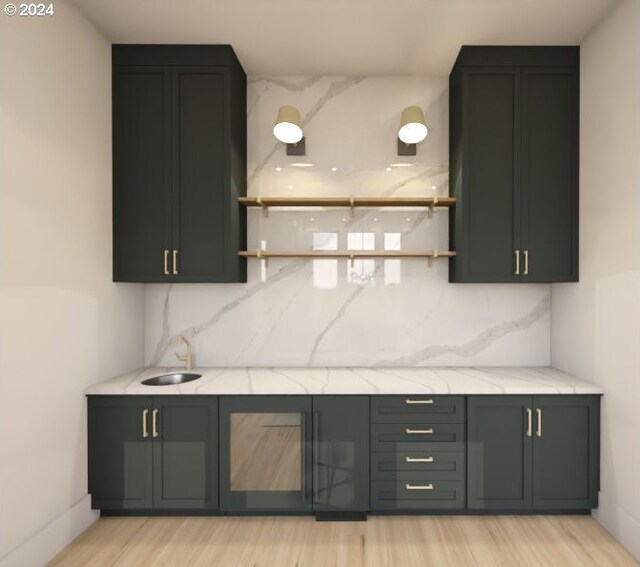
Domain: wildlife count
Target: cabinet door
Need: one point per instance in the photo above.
(566, 452)
(265, 453)
(202, 198)
(550, 117)
(141, 174)
(487, 230)
(120, 452)
(499, 452)
(340, 453)
(185, 451)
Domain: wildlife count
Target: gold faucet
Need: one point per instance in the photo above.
(188, 356)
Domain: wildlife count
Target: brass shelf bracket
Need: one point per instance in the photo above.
(432, 207)
(265, 208)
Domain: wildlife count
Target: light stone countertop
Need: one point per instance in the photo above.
(354, 380)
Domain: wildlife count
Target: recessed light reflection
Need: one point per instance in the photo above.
(302, 164)
(402, 165)
(387, 168)
(278, 169)
(375, 219)
(408, 219)
(334, 169)
(312, 219)
(434, 187)
(289, 186)
(344, 220)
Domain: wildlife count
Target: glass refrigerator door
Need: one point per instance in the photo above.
(266, 456)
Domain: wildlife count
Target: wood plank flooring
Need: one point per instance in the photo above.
(399, 541)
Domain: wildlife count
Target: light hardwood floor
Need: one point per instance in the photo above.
(401, 541)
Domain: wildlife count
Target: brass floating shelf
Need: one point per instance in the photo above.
(429, 256)
(349, 202)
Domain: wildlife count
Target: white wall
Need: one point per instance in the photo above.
(323, 312)
(596, 323)
(63, 324)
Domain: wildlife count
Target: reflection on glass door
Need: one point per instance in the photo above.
(266, 452)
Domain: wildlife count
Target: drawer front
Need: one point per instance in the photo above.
(385, 437)
(412, 465)
(417, 409)
(417, 495)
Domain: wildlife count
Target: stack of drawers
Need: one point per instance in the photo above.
(417, 453)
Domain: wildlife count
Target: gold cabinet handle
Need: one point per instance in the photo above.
(145, 413)
(418, 401)
(419, 459)
(526, 263)
(529, 422)
(539, 430)
(419, 431)
(154, 419)
(517, 272)
(166, 262)
(410, 486)
(175, 262)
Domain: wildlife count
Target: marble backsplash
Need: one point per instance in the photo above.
(304, 312)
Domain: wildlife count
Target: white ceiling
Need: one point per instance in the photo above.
(346, 37)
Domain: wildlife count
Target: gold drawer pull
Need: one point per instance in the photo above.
(418, 486)
(539, 430)
(154, 418)
(529, 422)
(419, 459)
(145, 432)
(175, 262)
(419, 431)
(429, 401)
(166, 262)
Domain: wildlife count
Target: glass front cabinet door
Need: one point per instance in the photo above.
(265, 453)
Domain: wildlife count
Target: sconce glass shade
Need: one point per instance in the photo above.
(412, 127)
(287, 128)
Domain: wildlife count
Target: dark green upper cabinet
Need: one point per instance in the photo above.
(179, 164)
(514, 116)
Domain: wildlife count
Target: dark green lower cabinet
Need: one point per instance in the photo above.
(185, 453)
(533, 452)
(498, 453)
(120, 452)
(566, 452)
(340, 453)
(417, 453)
(153, 452)
(343, 456)
(417, 495)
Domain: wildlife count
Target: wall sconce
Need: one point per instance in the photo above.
(412, 130)
(289, 131)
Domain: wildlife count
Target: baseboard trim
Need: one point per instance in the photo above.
(47, 542)
(619, 524)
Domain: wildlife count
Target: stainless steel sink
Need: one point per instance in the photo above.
(171, 379)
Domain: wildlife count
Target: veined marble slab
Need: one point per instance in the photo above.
(356, 380)
(327, 312)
